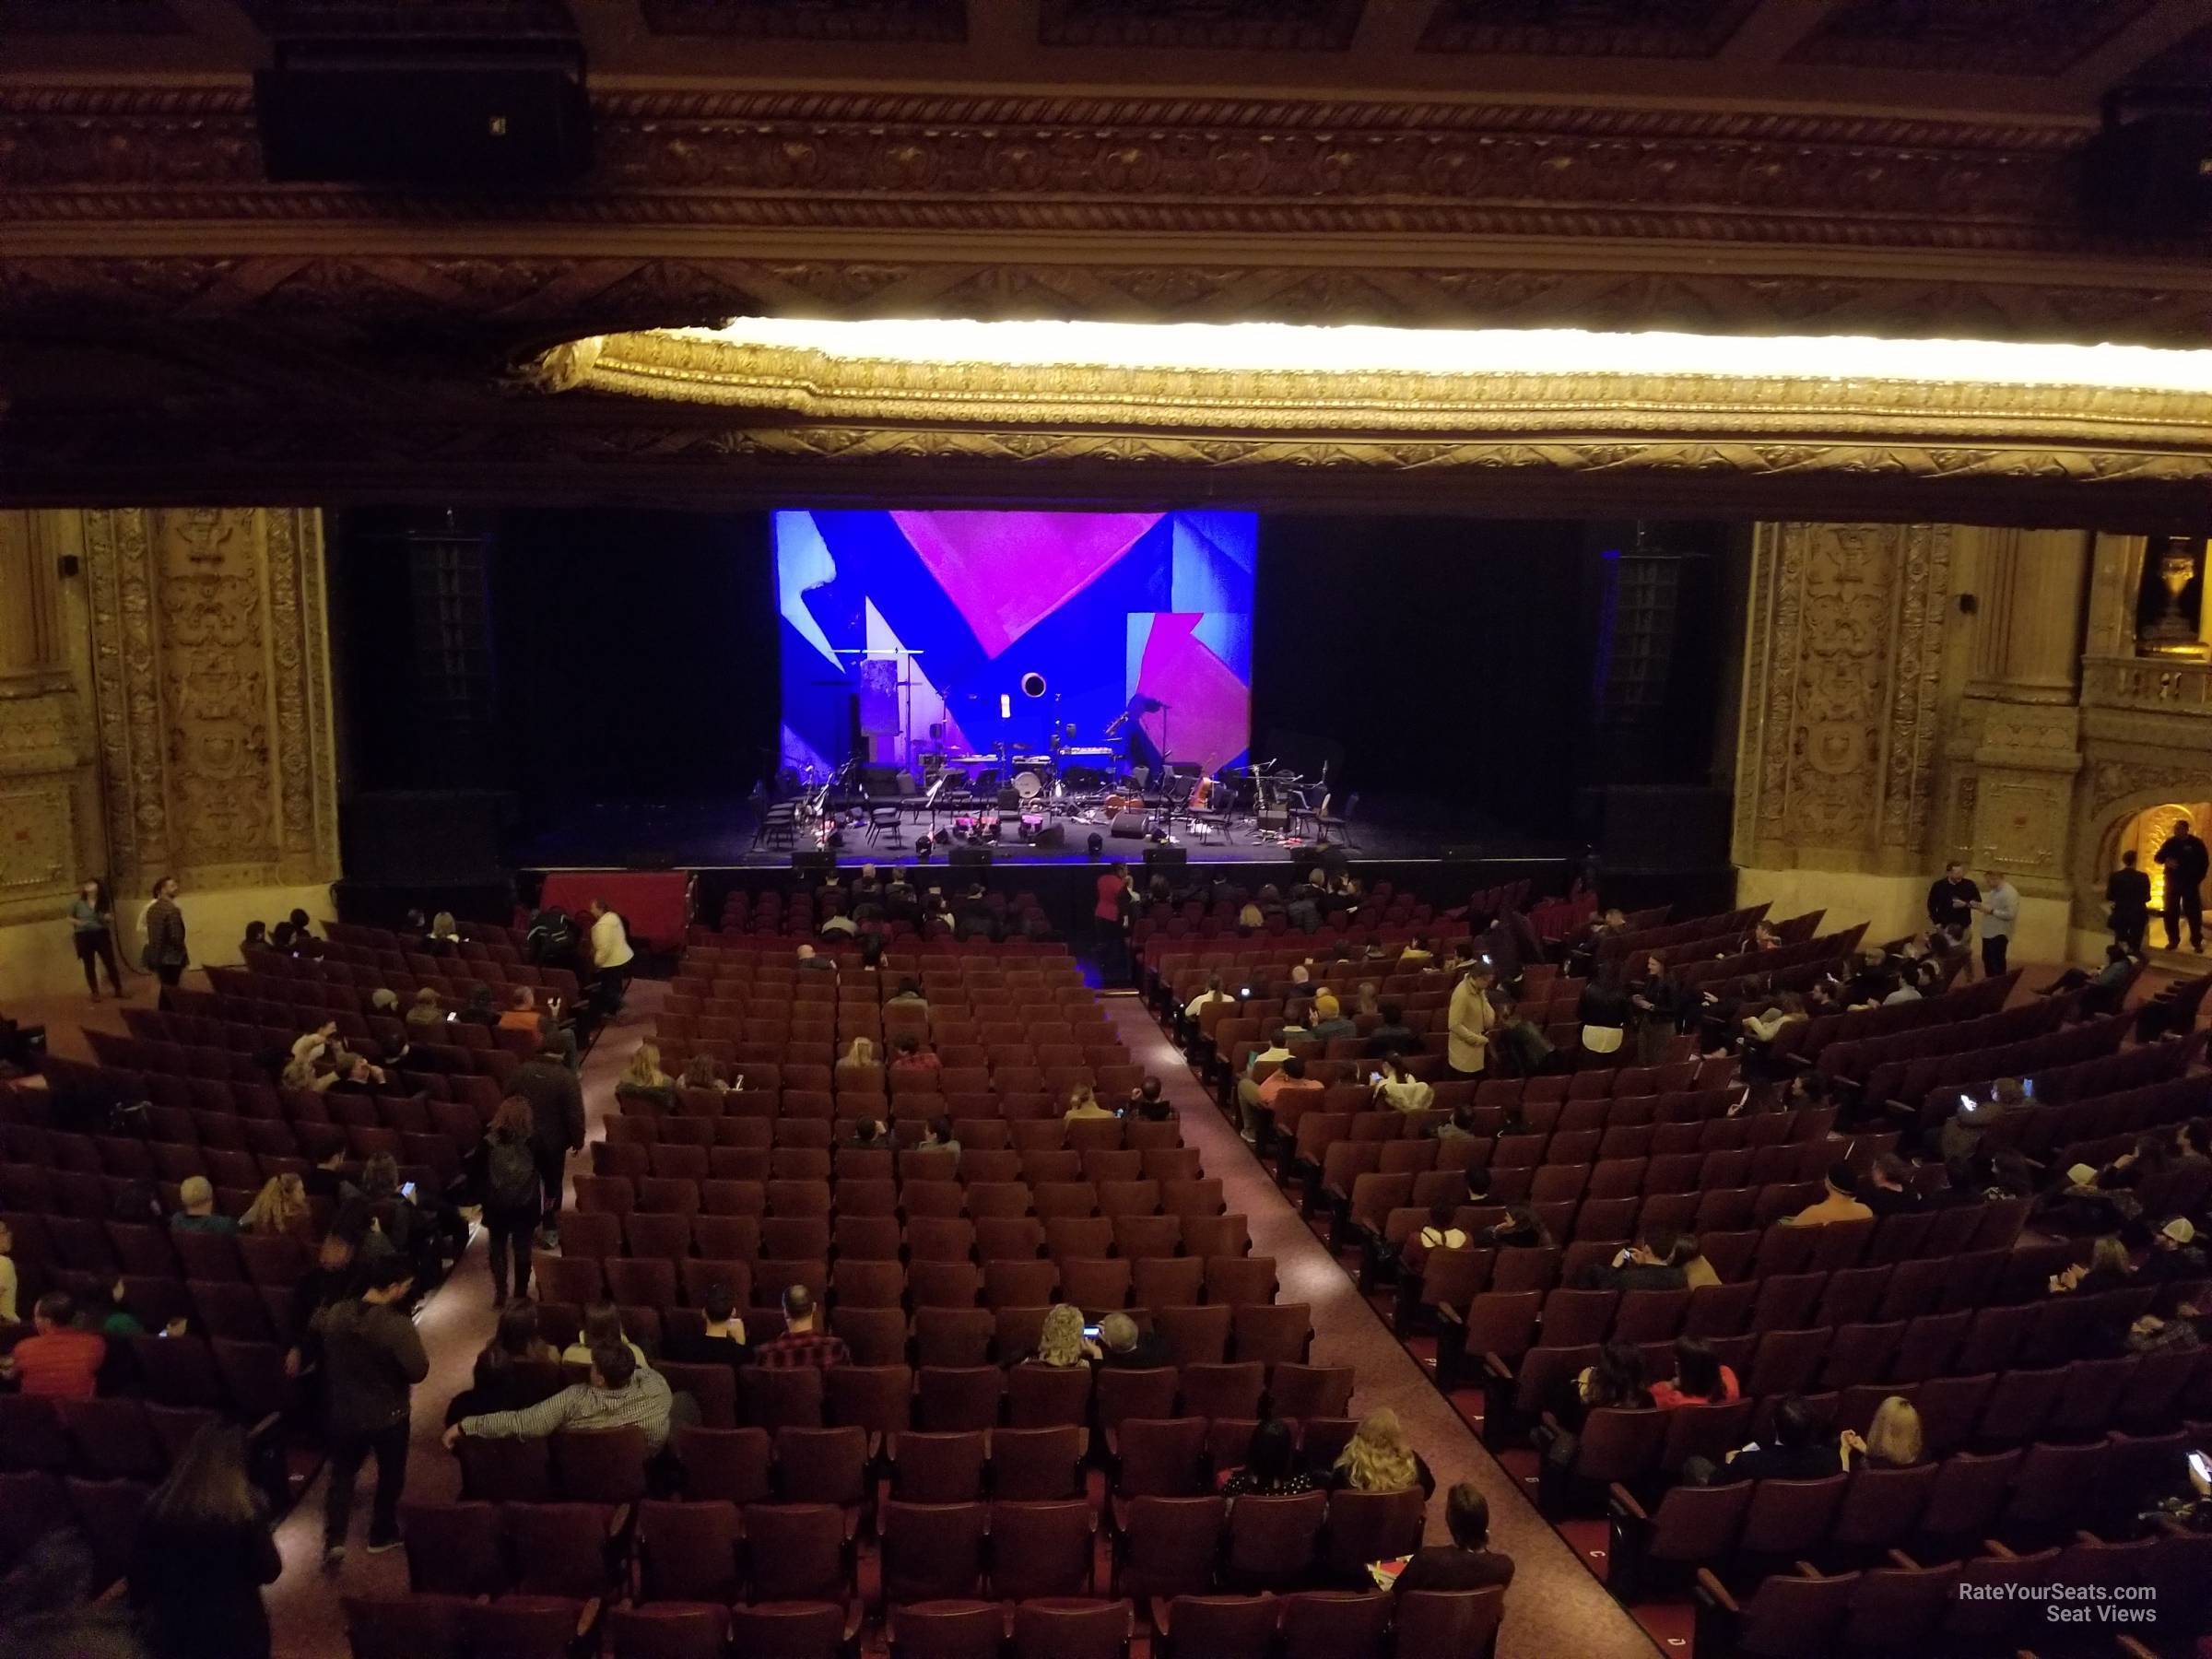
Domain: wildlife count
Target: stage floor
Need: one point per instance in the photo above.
(720, 835)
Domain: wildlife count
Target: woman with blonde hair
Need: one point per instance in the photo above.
(299, 1072)
(280, 1210)
(861, 1053)
(1083, 1102)
(643, 1079)
(1892, 1440)
(1062, 1342)
(1379, 1458)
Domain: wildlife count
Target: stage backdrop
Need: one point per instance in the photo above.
(896, 624)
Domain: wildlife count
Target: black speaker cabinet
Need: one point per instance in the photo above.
(1127, 826)
(1167, 858)
(1052, 835)
(971, 858)
(821, 860)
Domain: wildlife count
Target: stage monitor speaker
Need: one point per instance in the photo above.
(1167, 858)
(971, 858)
(1052, 835)
(355, 111)
(423, 836)
(819, 859)
(1127, 826)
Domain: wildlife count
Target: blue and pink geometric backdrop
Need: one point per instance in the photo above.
(918, 619)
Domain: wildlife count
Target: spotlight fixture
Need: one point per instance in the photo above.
(1097, 843)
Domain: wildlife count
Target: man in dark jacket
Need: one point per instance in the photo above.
(166, 956)
(1122, 1347)
(1467, 1562)
(2127, 890)
(1795, 1450)
(2186, 864)
(1648, 1264)
(372, 1361)
(1951, 899)
(556, 1122)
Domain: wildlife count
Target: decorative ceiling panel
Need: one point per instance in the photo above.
(1991, 37)
(1202, 25)
(87, 17)
(859, 21)
(1652, 29)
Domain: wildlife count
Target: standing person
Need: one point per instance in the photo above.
(201, 1553)
(2186, 862)
(1952, 897)
(2000, 915)
(511, 1194)
(611, 953)
(556, 1125)
(92, 926)
(1110, 915)
(165, 954)
(2127, 890)
(372, 1361)
(1467, 1024)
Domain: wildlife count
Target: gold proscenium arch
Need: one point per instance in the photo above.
(1251, 395)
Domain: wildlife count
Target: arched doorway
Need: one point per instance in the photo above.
(2143, 833)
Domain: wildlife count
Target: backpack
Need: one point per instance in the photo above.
(510, 1175)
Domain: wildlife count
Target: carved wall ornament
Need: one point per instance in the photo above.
(38, 834)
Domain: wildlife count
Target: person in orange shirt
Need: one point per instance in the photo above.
(60, 1361)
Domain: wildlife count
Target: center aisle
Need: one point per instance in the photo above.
(305, 1614)
(1555, 1606)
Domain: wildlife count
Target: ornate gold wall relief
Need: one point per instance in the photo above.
(211, 676)
(1842, 682)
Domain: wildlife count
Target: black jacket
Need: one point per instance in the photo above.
(197, 1589)
(165, 934)
(372, 1358)
(556, 1105)
(1949, 901)
(2128, 892)
(1149, 1353)
(2186, 859)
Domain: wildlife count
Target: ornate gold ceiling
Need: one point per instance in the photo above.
(1722, 166)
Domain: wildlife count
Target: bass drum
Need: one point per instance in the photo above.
(1027, 785)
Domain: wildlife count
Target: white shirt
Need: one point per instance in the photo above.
(610, 948)
(2004, 910)
(1412, 1095)
(1192, 1009)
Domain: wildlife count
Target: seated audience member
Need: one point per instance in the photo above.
(2174, 1254)
(1786, 1009)
(837, 925)
(57, 1359)
(1887, 1189)
(1393, 1035)
(621, 1394)
(909, 1056)
(1464, 1124)
(1379, 1458)
(601, 1329)
(858, 1066)
(938, 1138)
(703, 1071)
(1467, 1562)
(644, 1080)
(1329, 1017)
(1437, 1233)
(1418, 954)
(353, 1074)
(722, 1342)
(280, 938)
(257, 937)
(1650, 1264)
(10, 1282)
(2108, 1268)
(801, 1343)
(1892, 1440)
(196, 1208)
(1617, 1378)
(313, 1043)
(1207, 998)
(1148, 1101)
(425, 1017)
(1961, 1134)
(813, 962)
(2190, 1328)
(1122, 1346)
(1700, 1377)
(1794, 1449)
(1061, 1341)
(444, 935)
(1521, 1229)
(867, 1136)
(280, 1210)
(909, 995)
(1270, 1465)
(498, 1382)
(2103, 989)
(1288, 1078)
(480, 1009)
(1697, 1272)
(1399, 1089)
(1083, 1102)
(307, 1074)
(1839, 1202)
